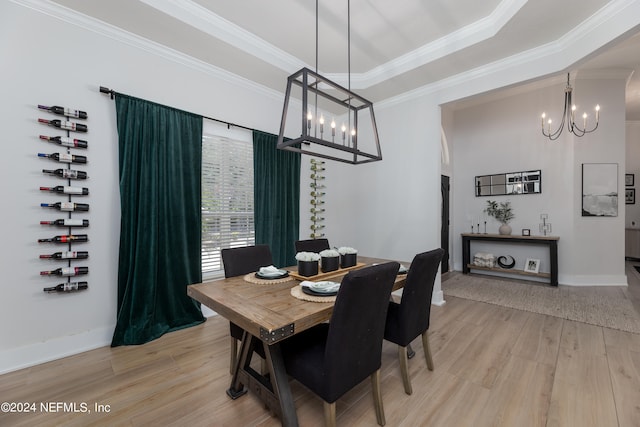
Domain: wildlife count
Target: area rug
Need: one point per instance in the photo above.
(601, 306)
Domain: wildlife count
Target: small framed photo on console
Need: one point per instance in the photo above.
(532, 265)
(526, 232)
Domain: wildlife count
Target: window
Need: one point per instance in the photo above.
(227, 192)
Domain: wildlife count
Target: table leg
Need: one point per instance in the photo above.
(553, 257)
(236, 389)
(466, 257)
(280, 383)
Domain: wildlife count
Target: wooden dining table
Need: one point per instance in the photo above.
(268, 313)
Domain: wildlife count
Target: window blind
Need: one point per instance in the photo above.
(227, 192)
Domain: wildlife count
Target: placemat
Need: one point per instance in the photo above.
(296, 292)
(251, 278)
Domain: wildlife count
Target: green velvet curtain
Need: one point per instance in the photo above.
(160, 150)
(276, 197)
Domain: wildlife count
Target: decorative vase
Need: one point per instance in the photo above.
(329, 263)
(307, 268)
(505, 229)
(348, 260)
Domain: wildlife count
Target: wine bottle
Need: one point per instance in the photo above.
(67, 112)
(65, 157)
(68, 287)
(317, 202)
(317, 194)
(66, 271)
(317, 218)
(66, 142)
(316, 227)
(317, 168)
(316, 186)
(66, 206)
(317, 162)
(316, 235)
(66, 238)
(63, 189)
(316, 176)
(67, 255)
(316, 210)
(63, 124)
(67, 173)
(67, 222)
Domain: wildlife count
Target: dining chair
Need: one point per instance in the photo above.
(332, 358)
(410, 318)
(312, 245)
(236, 262)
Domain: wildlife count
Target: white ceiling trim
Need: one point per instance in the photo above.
(469, 35)
(203, 19)
(78, 19)
(612, 21)
(208, 22)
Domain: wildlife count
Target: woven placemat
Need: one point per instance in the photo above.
(251, 278)
(296, 292)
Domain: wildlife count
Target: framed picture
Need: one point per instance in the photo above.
(629, 178)
(526, 232)
(532, 265)
(599, 189)
(630, 196)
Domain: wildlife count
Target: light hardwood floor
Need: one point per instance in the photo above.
(494, 366)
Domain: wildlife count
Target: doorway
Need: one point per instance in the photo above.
(444, 231)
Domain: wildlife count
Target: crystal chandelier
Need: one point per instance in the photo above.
(568, 117)
(333, 122)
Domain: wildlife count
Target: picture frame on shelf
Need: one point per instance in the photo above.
(532, 265)
(526, 232)
(629, 179)
(630, 196)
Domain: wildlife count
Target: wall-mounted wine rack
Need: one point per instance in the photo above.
(68, 124)
(317, 193)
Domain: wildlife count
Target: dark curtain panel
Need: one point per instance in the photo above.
(160, 232)
(276, 197)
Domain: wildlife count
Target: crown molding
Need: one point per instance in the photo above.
(469, 35)
(78, 19)
(197, 16)
(612, 21)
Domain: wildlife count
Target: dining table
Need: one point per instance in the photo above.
(269, 313)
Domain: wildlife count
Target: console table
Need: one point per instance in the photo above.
(550, 241)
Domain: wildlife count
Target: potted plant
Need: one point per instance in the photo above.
(330, 260)
(501, 212)
(307, 263)
(348, 256)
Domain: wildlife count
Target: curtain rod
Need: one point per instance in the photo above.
(112, 93)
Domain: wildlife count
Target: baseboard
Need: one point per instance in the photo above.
(42, 352)
(593, 280)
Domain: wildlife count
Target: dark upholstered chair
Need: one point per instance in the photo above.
(312, 245)
(236, 262)
(330, 359)
(410, 318)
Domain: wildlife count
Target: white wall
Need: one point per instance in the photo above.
(47, 61)
(504, 136)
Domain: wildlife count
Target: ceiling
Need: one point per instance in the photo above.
(393, 49)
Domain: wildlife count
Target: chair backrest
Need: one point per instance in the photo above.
(237, 261)
(354, 342)
(415, 306)
(312, 245)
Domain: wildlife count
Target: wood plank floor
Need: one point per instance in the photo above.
(494, 366)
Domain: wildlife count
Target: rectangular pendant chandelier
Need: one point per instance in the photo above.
(332, 122)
